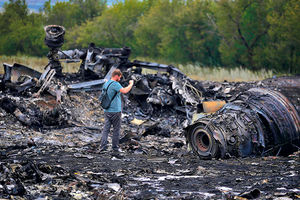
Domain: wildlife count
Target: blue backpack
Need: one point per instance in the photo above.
(104, 99)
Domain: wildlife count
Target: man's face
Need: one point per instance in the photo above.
(119, 78)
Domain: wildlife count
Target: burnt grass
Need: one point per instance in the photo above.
(63, 162)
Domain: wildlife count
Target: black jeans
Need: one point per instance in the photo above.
(111, 118)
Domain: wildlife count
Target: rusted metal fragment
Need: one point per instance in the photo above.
(259, 121)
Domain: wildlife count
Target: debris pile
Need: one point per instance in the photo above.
(50, 129)
(29, 112)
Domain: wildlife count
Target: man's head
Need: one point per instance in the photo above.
(116, 75)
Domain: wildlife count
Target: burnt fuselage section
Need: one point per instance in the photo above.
(257, 122)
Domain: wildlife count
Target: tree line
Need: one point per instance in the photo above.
(253, 34)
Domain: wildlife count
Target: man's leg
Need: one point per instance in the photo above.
(116, 121)
(105, 131)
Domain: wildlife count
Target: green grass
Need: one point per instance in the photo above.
(196, 72)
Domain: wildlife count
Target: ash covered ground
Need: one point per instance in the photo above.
(59, 160)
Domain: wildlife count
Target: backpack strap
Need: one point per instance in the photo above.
(114, 94)
(109, 85)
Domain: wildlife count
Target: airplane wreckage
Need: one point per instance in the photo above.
(221, 120)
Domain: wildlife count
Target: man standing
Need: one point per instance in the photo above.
(112, 115)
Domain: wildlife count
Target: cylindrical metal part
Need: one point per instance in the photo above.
(258, 121)
(54, 36)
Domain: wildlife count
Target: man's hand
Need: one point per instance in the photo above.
(128, 88)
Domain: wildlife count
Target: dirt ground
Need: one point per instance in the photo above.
(79, 173)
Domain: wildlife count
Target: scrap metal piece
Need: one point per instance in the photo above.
(168, 100)
(258, 121)
(28, 83)
(54, 39)
(184, 88)
(54, 36)
(19, 77)
(161, 97)
(88, 58)
(87, 86)
(59, 93)
(13, 72)
(159, 67)
(44, 74)
(58, 90)
(108, 75)
(46, 82)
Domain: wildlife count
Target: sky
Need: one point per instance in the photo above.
(34, 5)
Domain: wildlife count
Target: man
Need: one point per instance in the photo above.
(112, 115)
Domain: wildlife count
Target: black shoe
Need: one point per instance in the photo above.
(118, 151)
(102, 150)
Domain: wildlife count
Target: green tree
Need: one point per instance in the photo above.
(13, 10)
(189, 37)
(151, 25)
(179, 31)
(88, 9)
(21, 32)
(283, 50)
(63, 13)
(72, 13)
(114, 28)
(243, 27)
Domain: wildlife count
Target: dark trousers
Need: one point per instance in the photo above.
(111, 118)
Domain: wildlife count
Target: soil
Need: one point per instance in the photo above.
(78, 174)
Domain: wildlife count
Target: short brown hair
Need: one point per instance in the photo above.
(116, 72)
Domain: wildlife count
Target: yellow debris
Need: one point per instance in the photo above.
(137, 121)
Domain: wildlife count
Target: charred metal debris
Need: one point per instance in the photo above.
(246, 118)
(258, 122)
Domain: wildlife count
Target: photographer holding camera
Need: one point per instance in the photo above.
(112, 114)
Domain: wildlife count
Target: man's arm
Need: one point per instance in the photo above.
(128, 88)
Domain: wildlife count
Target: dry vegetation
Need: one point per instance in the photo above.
(196, 72)
(201, 73)
(222, 73)
(35, 63)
